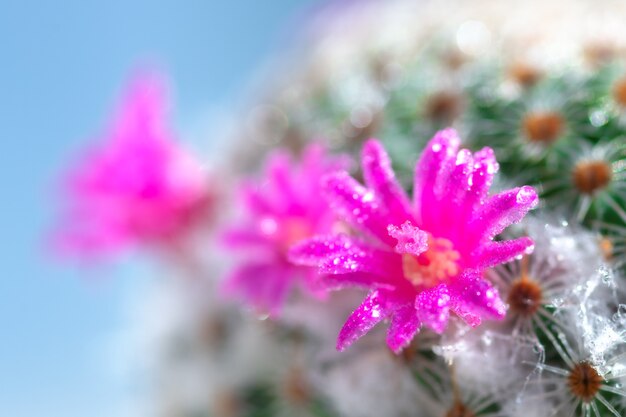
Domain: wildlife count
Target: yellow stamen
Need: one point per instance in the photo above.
(434, 266)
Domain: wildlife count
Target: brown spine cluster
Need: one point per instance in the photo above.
(584, 381)
(591, 176)
(543, 127)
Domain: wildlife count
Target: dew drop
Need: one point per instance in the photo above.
(598, 118)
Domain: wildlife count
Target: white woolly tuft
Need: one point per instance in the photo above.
(371, 384)
(488, 362)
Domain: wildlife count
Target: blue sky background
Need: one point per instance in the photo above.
(62, 64)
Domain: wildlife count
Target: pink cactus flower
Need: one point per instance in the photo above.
(280, 211)
(135, 187)
(421, 260)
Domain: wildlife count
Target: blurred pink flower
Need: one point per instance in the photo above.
(283, 209)
(421, 260)
(137, 186)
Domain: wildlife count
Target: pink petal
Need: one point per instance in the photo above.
(380, 177)
(254, 199)
(237, 238)
(363, 319)
(460, 180)
(357, 205)
(404, 326)
(495, 253)
(485, 167)
(264, 286)
(471, 319)
(355, 279)
(473, 294)
(449, 208)
(315, 164)
(380, 263)
(504, 209)
(340, 254)
(284, 196)
(313, 284)
(430, 174)
(433, 307)
(142, 111)
(313, 251)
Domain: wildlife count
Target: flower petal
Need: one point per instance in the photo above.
(371, 261)
(433, 307)
(357, 205)
(313, 251)
(264, 286)
(243, 238)
(485, 167)
(341, 254)
(315, 163)
(363, 319)
(379, 177)
(355, 280)
(283, 191)
(495, 253)
(473, 294)
(502, 210)
(142, 110)
(430, 174)
(452, 197)
(471, 319)
(254, 200)
(404, 326)
(313, 284)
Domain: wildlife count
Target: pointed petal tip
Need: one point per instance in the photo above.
(497, 308)
(374, 153)
(372, 144)
(464, 157)
(397, 348)
(307, 252)
(341, 346)
(448, 136)
(494, 305)
(486, 152)
(525, 245)
(344, 340)
(332, 178)
(438, 327)
(530, 246)
(472, 320)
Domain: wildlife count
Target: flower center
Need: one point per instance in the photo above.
(584, 381)
(543, 127)
(285, 232)
(590, 176)
(437, 264)
(525, 297)
(295, 230)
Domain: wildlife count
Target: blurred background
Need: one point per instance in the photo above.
(122, 338)
(63, 65)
